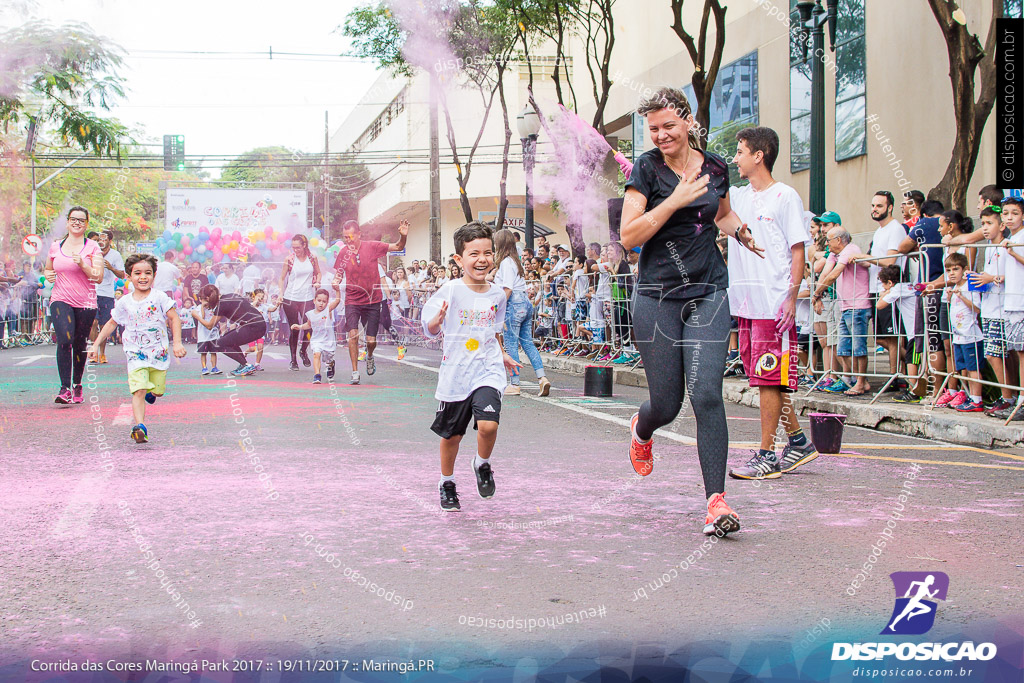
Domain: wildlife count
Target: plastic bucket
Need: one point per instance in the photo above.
(598, 380)
(827, 432)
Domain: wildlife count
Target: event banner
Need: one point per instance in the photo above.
(189, 209)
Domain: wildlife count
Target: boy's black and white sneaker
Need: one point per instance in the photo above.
(794, 456)
(758, 467)
(371, 366)
(449, 497)
(330, 370)
(484, 480)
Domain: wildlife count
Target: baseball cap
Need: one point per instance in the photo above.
(831, 217)
(560, 247)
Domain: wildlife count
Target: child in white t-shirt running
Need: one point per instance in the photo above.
(145, 315)
(323, 340)
(471, 313)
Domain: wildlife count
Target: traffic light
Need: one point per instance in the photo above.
(174, 152)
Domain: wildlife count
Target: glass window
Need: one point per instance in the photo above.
(734, 106)
(851, 81)
(799, 98)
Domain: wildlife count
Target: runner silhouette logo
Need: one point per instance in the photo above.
(916, 595)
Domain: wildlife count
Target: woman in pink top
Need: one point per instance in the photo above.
(74, 266)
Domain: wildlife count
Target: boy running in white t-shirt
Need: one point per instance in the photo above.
(470, 311)
(762, 295)
(323, 340)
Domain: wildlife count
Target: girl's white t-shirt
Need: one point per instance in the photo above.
(472, 355)
(508, 276)
(300, 281)
(203, 334)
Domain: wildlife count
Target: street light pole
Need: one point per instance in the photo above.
(813, 18)
(528, 123)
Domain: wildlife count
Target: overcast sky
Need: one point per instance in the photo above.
(225, 105)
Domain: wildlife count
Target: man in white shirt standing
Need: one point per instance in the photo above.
(886, 242)
(227, 282)
(250, 277)
(167, 275)
(113, 269)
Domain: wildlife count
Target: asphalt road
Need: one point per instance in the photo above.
(271, 557)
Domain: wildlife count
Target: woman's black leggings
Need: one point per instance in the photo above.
(72, 327)
(683, 343)
(231, 343)
(295, 313)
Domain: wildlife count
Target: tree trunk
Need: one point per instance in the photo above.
(499, 220)
(704, 77)
(966, 55)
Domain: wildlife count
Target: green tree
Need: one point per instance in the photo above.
(52, 77)
(346, 179)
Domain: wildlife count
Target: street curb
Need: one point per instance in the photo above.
(940, 424)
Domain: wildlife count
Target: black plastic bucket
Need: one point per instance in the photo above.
(598, 380)
(827, 432)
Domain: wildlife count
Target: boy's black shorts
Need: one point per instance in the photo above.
(453, 418)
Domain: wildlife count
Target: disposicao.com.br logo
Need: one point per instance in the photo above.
(913, 614)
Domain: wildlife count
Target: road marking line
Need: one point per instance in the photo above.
(622, 422)
(912, 447)
(690, 441)
(124, 415)
(927, 462)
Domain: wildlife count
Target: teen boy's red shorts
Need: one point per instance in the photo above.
(769, 356)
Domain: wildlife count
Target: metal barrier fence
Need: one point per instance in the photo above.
(25, 322)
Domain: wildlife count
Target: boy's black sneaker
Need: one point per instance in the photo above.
(330, 370)
(449, 497)
(484, 480)
(906, 396)
(305, 358)
(793, 456)
(294, 365)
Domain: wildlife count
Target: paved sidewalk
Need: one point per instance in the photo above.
(884, 415)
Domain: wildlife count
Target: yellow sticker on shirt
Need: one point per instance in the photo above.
(472, 345)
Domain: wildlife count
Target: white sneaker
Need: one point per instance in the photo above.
(512, 390)
(355, 378)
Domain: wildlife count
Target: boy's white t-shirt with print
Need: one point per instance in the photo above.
(472, 355)
(775, 216)
(322, 336)
(145, 329)
(992, 297)
(962, 320)
(1013, 291)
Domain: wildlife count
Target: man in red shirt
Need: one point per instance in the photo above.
(362, 288)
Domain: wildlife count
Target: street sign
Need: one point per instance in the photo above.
(32, 245)
(144, 247)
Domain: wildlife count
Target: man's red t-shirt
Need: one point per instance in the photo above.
(362, 278)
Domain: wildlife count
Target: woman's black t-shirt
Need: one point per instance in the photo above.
(238, 309)
(682, 259)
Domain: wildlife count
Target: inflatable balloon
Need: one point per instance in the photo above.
(317, 233)
(187, 251)
(167, 234)
(119, 283)
(314, 242)
(269, 231)
(201, 249)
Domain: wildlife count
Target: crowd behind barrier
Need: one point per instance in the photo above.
(581, 308)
